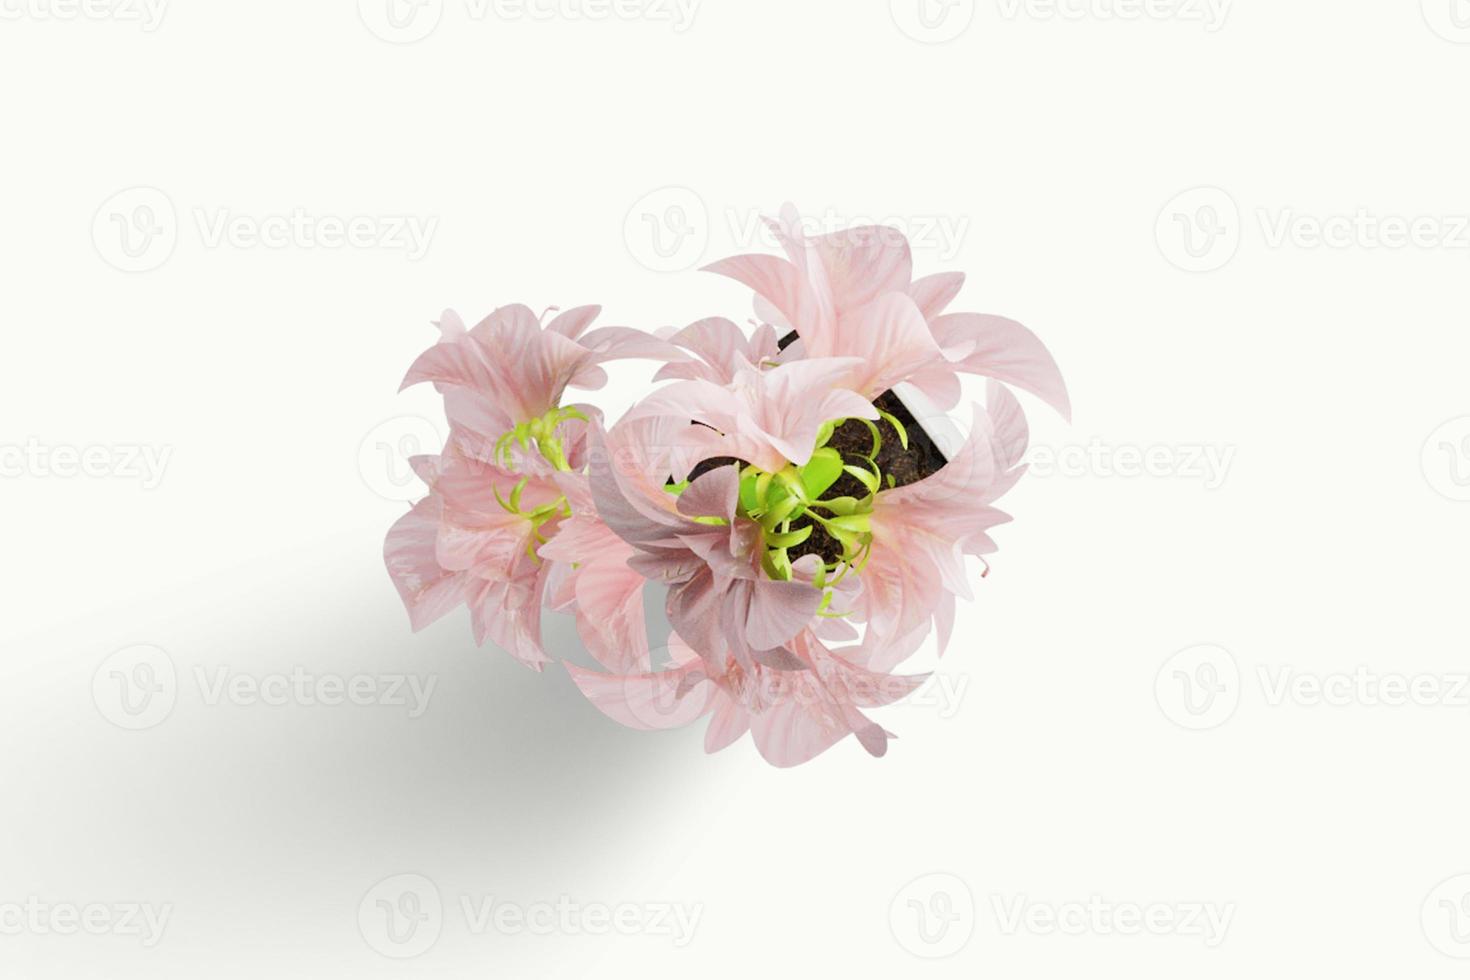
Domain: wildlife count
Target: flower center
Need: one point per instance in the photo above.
(822, 507)
(542, 432)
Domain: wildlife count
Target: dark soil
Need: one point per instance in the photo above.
(921, 459)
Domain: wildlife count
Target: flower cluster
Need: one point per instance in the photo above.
(774, 491)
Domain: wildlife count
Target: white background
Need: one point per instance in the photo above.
(1081, 759)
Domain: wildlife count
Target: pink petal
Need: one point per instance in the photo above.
(574, 322)
(1012, 434)
(720, 344)
(933, 293)
(796, 730)
(616, 343)
(778, 611)
(508, 612)
(610, 614)
(624, 478)
(864, 263)
(783, 286)
(714, 494)
(729, 722)
(428, 590)
(1006, 351)
(892, 337)
(646, 702)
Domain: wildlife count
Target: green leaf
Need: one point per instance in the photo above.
(749, 500)
(855, 523)
(821, 472)
(785, 509)
(868, 478)
(877, 438)
(848, 539)
(763, 489)
(903, 434)
(841, 505)
(789, 540)
(778, 564)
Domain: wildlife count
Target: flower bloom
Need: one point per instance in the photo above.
(852, 294)
(764, 487)
(498, 493)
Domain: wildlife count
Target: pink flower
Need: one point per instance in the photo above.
(499, 493)
(852, 293)
(800, 575)
(519, 370)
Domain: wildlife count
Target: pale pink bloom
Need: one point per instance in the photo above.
(794, 713)
(720, 598)
(764, 417)
(475, 538)
(510, 370)
(852, 293)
